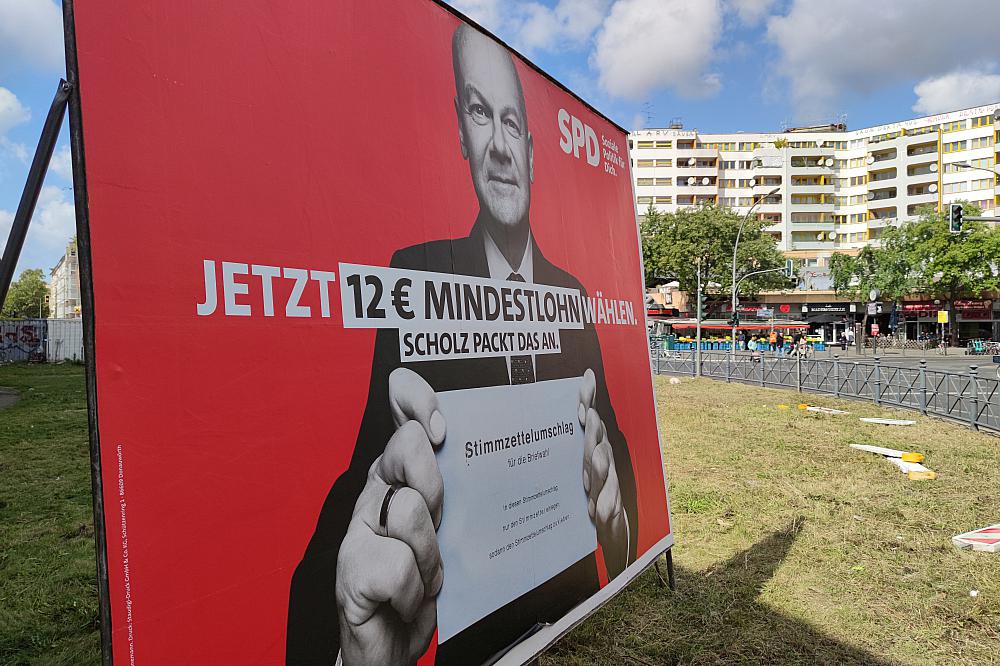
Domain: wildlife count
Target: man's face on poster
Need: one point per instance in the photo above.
(493, 127)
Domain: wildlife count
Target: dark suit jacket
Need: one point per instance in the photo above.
(313, 635)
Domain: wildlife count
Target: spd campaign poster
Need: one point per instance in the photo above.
(370, 381)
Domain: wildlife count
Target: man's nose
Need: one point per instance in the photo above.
(498, 143)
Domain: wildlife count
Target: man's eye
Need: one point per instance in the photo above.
(512, 127)
(479, 113)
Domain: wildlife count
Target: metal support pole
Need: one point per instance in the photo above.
(923, 386)
(836, 375)
(974, 398)
(798, 371)
(671, 581)
(729, 368)
(32, 187)
(878, 381)
(697, 337)
(762, 355)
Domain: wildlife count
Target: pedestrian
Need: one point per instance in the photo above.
(843, 341)
(773, 340)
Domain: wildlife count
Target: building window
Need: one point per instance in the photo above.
(951, 188)
(644, 163)
(984, 184)
(664, 163)
(953, 126)
(982, 121)
(664, 200)
(981, 142)
(954, 146)
(645, 144)
(664, 144)
(644, 201)
(662, 181)
(644, 182)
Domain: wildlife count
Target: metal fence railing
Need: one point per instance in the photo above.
(41, 340)
(966, 397)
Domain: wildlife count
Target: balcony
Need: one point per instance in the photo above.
(699, 171)
(813, 225)
(922, 149)
(883, 156)
(812, 189)
(874, 196)
(921, 170)
(686, 153)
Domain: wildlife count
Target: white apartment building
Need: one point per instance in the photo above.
(64, 285)
(833, 190)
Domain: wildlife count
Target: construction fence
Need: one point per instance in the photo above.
(972, 397)
(41, 340)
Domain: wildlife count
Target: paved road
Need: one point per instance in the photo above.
(955, 361)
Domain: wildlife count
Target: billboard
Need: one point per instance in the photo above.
(369, 374)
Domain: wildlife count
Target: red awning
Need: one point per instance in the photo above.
(763, 326)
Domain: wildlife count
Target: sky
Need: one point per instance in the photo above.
(718, 65)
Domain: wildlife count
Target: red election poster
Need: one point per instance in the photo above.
(369, 370)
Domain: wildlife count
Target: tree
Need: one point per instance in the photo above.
(673, 244)
(947, 265)
(923, 256)
(27, 296)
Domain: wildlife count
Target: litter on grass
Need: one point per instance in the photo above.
(899, 422)
(986, 540)
(908, 462)
(908, 456)
(825, 410)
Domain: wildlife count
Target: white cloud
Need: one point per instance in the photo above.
(19, 151)
(751, 12)
(31, 36)
(833, 48)
(532, 26)
(62, 163)
(484, 12)
(52, 225)
(648, 44)
(568, 25)
(54, 221)
(6, 220)
(12, 112)
(957, 90)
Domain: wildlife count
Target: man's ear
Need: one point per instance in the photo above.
(531, 158)
(461, 130)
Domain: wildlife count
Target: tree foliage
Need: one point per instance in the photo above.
(924, 257)
(673, 243)
(25, 296)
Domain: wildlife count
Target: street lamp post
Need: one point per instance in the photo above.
(736, 245)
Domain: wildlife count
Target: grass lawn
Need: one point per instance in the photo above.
(48, 590)
(791, 547)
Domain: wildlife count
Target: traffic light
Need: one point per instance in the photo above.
(955, 218)
(789, 268)
(702, 304)
(735, 319)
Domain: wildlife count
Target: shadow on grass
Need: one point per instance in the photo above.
(714, 617)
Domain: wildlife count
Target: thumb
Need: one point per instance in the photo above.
(412, 399)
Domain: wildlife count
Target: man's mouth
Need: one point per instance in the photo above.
(502, 178)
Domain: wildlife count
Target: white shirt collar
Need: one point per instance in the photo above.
(500, 268)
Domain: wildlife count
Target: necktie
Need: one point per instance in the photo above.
(522, 370)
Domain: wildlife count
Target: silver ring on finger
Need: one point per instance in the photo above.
(383, 514)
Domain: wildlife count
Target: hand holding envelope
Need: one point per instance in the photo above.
(390, 557)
